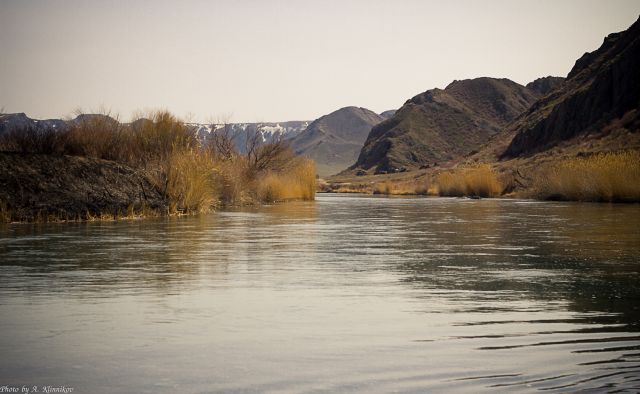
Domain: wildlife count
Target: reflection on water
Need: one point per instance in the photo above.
(345, 294)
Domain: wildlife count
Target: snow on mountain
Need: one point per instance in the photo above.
(241, 132)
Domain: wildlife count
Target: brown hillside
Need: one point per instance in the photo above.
(600, 95)
(442, 125)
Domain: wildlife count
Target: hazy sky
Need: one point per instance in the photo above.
(254, 61)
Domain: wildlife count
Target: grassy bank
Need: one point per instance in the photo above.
(603, 177)
(469, 181)
(190, 176)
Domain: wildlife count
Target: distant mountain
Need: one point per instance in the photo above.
(599, 99)
(239, 132)
(441, 125)
(545, 84)
(20, 121)
(388, 114)
(334, 140)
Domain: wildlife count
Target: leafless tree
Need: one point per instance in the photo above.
(221, 141)
(262, 156)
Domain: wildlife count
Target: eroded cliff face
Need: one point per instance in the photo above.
(602, 86)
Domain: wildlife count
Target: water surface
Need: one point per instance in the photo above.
(350, 293)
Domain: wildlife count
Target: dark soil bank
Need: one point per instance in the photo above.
(36, 187)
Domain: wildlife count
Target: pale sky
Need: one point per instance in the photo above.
(261, 61)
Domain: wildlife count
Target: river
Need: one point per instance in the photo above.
(348, 293)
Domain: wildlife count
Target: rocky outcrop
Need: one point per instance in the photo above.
(602, 86)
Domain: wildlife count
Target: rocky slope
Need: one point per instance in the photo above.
(441, 125)
(600, 97)
(335, 140)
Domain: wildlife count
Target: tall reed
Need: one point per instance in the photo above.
(412, 187)
(479, 181)
(607, 177)
(296, 182)
(190, 182)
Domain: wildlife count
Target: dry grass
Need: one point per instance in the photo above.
(413, 187)
(480, 181)
(190, 182)
(364, 188)
(298, 182)
(58, 216)
(5, 213)
(607, 177)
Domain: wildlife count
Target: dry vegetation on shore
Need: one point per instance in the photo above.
(598, 177)
(192, 177)
(465, 181)
(475, 181)
(605, 177)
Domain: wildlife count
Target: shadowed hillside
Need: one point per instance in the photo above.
(600, 97)
(441, 125)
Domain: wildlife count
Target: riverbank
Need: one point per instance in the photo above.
(597, 177)
(98, 168)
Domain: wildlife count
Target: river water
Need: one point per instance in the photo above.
(347, 293)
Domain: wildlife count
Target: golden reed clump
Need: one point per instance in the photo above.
(607, 177)
(412, 187)
(480, 181)
(296, 182)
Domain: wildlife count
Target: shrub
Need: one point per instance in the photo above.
(30, 140)
(611, 177)
(156, 138)
(98, 136)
